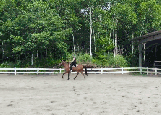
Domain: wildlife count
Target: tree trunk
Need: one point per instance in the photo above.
(116, 50)
(94, 42)
(90, 32)
(132, 43)
(32, 58)
(37, 53)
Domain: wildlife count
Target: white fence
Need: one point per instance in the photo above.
(122, 70)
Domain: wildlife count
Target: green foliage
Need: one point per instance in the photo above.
(149, 16)
(30, 26)
(132, 59)
(83, 58)
(97, 62)
(119, 61)
(104, 44)
(46, 62)
(80, 58)
(108, 60)
(6, 65)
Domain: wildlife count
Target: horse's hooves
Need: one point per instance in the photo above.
(67, 79)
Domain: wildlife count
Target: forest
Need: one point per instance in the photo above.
(41, 33)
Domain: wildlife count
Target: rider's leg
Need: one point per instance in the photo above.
(74, 64)
(71, 66)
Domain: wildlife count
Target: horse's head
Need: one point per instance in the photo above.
(62, 63)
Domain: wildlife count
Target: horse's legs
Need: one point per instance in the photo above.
(63, 74)
(76, 75)
(68, 75)
(82, 74)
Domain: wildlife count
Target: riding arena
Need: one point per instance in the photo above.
(96, 94)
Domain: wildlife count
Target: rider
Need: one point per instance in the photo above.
(73, 63)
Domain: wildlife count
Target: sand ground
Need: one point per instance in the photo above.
(106, 94)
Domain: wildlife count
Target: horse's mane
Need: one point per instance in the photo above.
(65, 62)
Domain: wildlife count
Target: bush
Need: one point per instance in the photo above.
(84, 58)
(12, 64)
(80, 58)
(132, 60)
(7, 65)
(46, 62)
(108, 60)
(119, 61)
(97, 62)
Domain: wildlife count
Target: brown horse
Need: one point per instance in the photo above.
(79, 69)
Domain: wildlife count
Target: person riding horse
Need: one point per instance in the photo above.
(73, 63)
(78, 69)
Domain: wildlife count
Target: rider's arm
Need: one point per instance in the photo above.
(73, 59)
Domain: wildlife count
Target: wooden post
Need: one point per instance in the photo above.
(15, 70)
(155, 52)
(60, 70)
(144, 52)
(140, 55)
(37, 71)
(140, 70)
(155, 71)
(101, 70)
(122, 70)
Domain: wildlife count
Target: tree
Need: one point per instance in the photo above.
(33, 26)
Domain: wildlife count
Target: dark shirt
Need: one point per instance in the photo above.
(74, 60)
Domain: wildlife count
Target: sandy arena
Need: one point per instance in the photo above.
(106, 94)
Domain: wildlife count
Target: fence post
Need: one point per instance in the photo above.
(140, 70)
(155, 71)
(15, 70)
(147, 70)
(101, 70)
(122, 70)
(60, 70)
(37, 71)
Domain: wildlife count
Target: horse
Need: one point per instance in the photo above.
(79, 69)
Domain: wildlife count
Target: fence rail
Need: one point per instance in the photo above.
(122, 70)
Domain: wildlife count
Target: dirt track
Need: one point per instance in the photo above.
(97, 94)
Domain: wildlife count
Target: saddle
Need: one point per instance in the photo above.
(74, 66)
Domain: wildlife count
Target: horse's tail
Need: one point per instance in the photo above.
(85, 69)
